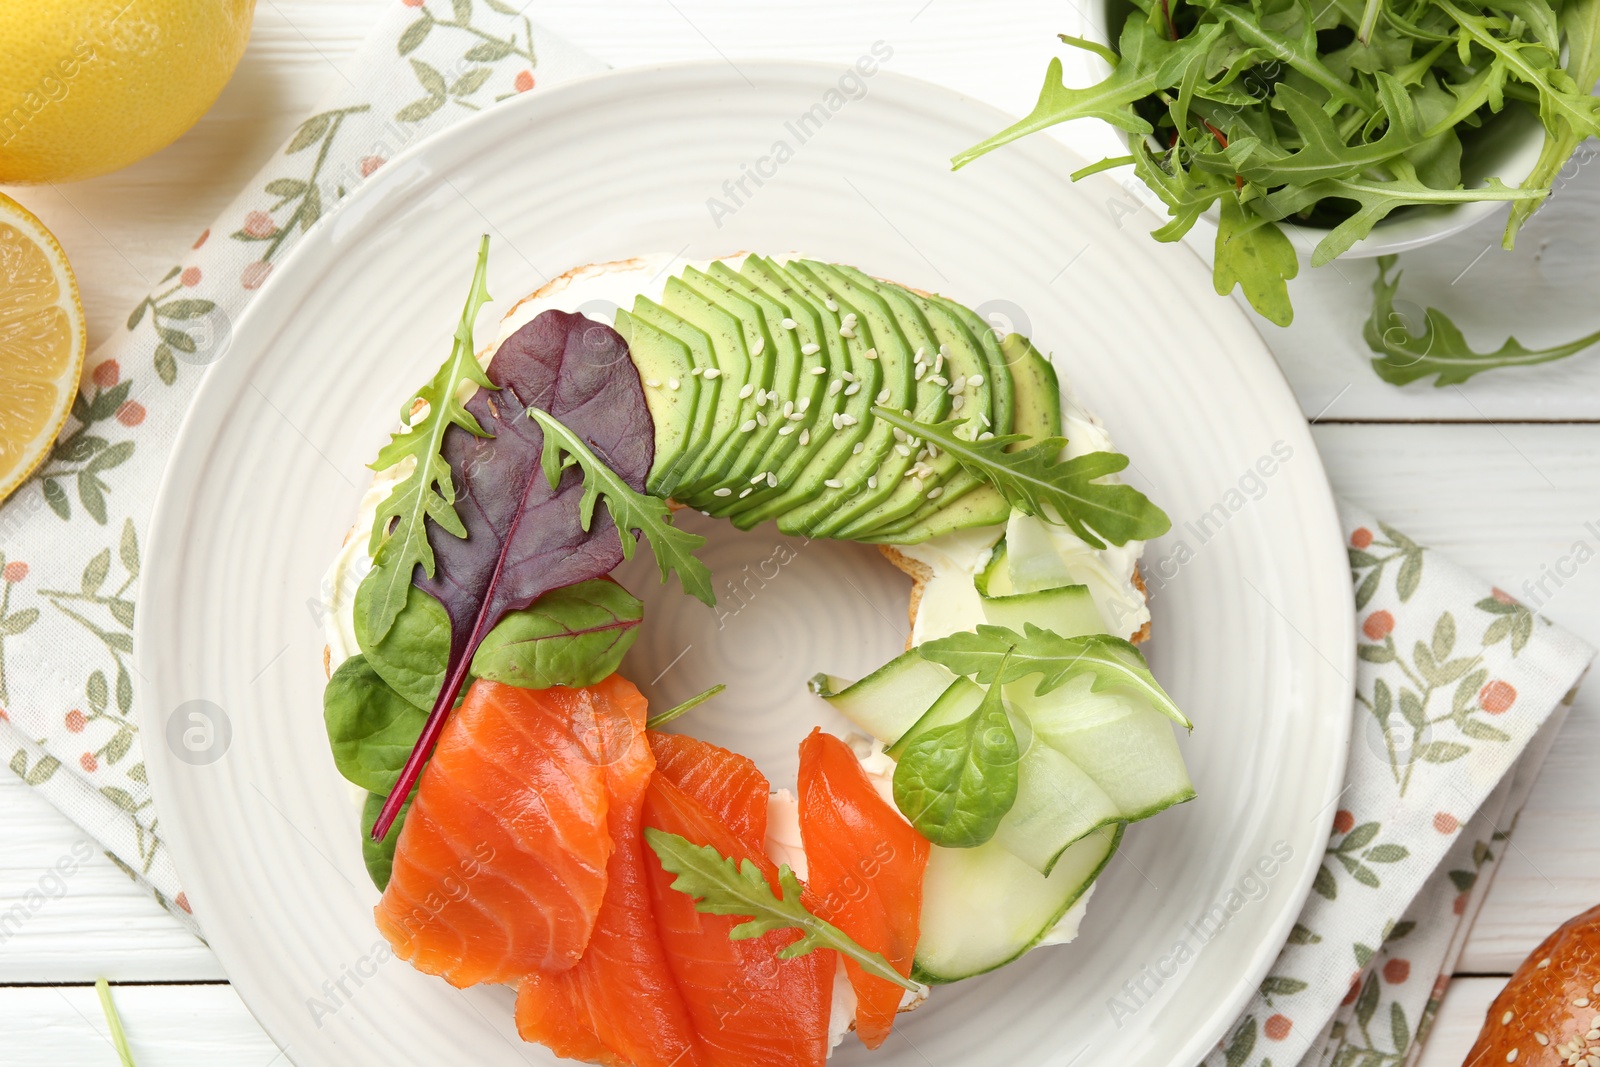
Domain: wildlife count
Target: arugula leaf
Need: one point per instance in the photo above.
(1036, 481)
(1559, 97)
(955, 783)
(1580, 20)
(399, 539)
(996, 653)
(1440, 349)
(721, 887)
(630, 509)
(657, 721)
(1149, 62)
(1255, 255)
(371, 728)
(574, 636)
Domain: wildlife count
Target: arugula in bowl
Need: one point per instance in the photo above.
(1326, 113)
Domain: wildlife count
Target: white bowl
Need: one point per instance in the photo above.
(1506, 147)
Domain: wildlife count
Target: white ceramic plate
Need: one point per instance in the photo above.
(1253, 616)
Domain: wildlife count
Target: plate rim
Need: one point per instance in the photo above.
(168, 511)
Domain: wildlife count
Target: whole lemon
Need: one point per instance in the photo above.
(87, 86)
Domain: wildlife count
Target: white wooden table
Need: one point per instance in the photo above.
(1502, 474)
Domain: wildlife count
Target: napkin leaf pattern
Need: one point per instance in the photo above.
(1447, 698)
(70, 538)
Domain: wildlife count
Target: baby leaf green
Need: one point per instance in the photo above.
(411, 656)
(955, 783)
(574, 636)
(660, 719)
(630, 510)
(997, 653)
(399, 538)
(1036, 481)
(371, 728)
(1441, 348)
(719, 886)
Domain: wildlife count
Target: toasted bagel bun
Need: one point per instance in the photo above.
(1549, 1013)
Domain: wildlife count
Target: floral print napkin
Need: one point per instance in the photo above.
(1459, 693)
(1460, 689)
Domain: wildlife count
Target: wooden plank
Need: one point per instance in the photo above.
(88, 923)
(170, 1026)
(1513, 504)
(1460, 1018)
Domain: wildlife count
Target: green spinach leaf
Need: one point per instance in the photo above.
(955, 783)
(371, 728)
(574, 636)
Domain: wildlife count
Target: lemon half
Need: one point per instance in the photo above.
(42, 342)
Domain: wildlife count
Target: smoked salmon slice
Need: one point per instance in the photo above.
(749, 1008)
(864, 872)
(729, 784)
(501, 868)
(620, 1005)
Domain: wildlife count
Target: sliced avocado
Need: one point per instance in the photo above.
(799, 509)
(708, 410)
(728, 459)
(681, 432)
(955, 357)
(792, 383)
(871, 474)
(816, 326)
(1037, 414)
(1003, 401)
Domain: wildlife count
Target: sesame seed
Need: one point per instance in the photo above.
(1511, 1057)
(944, 350)
(788, 408)
(937, 379)
(975, 380)
(850, 420)
(1541, 1038)
(958, 403)
(795, 416)
(819, 370)
(772, 480)
(697, 371)
(1543, 964)
(847, 376)
(1596, 988)
(759, 347)
(785, 431)
(805, 438)
(1505, 1020)
(833, 483)
(938, 361)
(872, 481)
(805, 402)
(652, 383)
(810, 348)
(920, 356)
(747, 425)
(761, 397)
(899, 434)
(883, 396)
(1581, 1002)
(837, 425)
(761, 417)
(957, 385)
(828, 303)
(903, 450)
(724, 491)
(921, 369)
(744, 393)
(856, 451)
(850, 318)
(712, 372)
(789, 324)
(905, 413)
(746, 491)
(986, 436)
(847, 331)
(758, 479)
(672, 383)
(936, 492)
(871, 353)
(834, 387)
(855, 387)
(916, 485)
